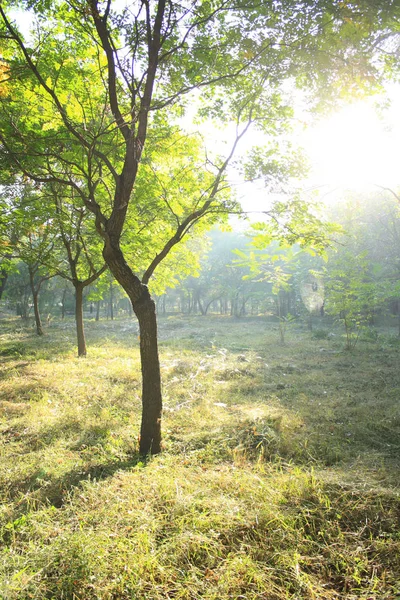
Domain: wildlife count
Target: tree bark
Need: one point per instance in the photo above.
(38, 321)
(145, 311)
(150, 431)
(98, 310)
(80, 331)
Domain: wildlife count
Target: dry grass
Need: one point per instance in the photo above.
(278, 480)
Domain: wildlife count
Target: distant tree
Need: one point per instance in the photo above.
(78, 258)
(18, 292)
(29, 238)
(352, 293)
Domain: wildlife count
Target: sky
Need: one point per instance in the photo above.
(354, 148)
(358, 145)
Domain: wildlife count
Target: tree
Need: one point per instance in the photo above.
(36, 275)
(363, 273)
(28, 238)
(352, 293)
(18, 292)
(93, 89)
(83, 263)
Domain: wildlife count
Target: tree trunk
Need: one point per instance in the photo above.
(145, 311)
(39, 328)
(111, 302)
(35, 296)
(63, 303)
(200, 305)
(150, 432)
(98, 310)
(80, 332)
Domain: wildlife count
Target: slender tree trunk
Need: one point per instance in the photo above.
(80, 332)
(35, 296)
(236, 312)
(98, 310)
(111, 302)
(202, 310)
(38, 321)
(63, 303)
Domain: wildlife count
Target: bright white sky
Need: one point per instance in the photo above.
(356, 146)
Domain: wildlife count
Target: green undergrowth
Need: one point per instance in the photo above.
(278, 479)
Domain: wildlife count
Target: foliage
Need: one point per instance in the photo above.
(352, 295)
(362, 274)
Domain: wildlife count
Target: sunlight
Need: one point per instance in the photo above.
(355, 147)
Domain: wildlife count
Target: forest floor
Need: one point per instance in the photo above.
(279, 477)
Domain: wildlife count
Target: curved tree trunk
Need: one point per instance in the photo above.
(145, 311)
(38, 321)
(80, 331)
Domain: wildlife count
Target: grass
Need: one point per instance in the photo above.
(278, 480)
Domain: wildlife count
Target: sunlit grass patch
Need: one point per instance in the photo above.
(160, 528)
(279, 476)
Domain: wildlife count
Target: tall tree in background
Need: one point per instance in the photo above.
(96, 87)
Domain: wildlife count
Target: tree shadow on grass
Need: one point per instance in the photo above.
(85, 447)
(22, 391)
(39, 489)
(33, 350)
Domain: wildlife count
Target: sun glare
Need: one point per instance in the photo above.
(355, 148)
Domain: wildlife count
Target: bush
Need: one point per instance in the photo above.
(320, 334)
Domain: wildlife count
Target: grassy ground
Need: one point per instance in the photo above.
(279, 476)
